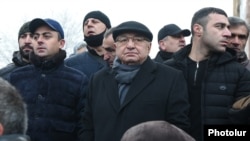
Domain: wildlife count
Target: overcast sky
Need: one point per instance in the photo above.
(154, 14)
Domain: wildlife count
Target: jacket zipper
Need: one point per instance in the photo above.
(195, 73)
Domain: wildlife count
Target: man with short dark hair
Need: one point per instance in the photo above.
(109, 47)
(53, 92)
(170, 40)
(21, 57)
(217, 83)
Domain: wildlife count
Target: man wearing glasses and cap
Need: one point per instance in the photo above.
(170, 40)
(134, 90)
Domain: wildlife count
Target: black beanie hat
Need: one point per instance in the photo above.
(100, 16)
(24, 28)
(132, 26)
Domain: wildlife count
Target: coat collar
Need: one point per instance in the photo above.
(216, 58)
(141, 80)
(48, 64)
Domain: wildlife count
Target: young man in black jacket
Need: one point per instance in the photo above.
(53, 92)
(215, 79)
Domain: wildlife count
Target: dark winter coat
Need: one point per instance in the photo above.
(86, 62)
(54, 94)
(225, 81)
(163, 56)
(156, 93)
(243, 59)
(14, 137)
(17, 62)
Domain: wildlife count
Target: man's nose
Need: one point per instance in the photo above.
(28, 39)
(227, 33)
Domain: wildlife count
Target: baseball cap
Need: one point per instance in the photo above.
(170, 30)
(53, 24)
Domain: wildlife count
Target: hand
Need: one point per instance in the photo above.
(240, 116)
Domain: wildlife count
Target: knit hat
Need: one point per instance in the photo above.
(98, 15)
(132, 26)
(170, 30)
(54, 25)
(24, 28)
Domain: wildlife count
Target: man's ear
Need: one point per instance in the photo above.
(62, 43)
(162, 46)
(1, 129)
(149, 47)
(198, 29)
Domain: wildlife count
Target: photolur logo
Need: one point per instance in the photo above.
(235, 132)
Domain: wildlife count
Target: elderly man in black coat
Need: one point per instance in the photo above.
(134, 90)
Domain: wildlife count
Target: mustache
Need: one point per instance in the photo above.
(26, 46)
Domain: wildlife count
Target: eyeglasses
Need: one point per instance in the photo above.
(137, 40)
(240, 36)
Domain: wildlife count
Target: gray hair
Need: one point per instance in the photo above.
(236, 21)
(80, 45)
(108, 32)
(156, 131)
(13, 112)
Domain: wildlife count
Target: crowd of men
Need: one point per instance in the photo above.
(113, 90)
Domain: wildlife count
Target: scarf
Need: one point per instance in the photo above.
(124, 75)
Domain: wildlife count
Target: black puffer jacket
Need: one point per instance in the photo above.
(54, 95)
(225, 81)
